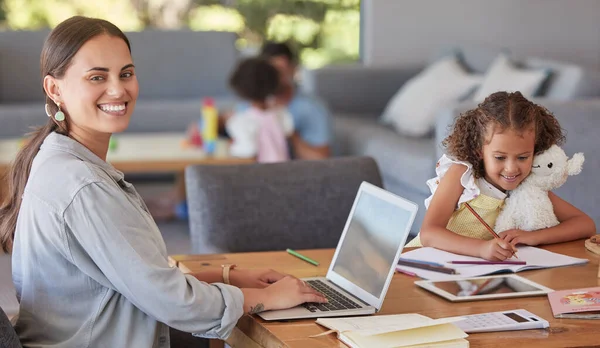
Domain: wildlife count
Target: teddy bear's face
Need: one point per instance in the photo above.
(549, 168)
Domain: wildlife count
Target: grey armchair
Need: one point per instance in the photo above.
(8, 336)
(260, 207)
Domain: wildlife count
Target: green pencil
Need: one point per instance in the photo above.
(309, 260)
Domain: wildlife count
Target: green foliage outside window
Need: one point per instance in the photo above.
(323, 31)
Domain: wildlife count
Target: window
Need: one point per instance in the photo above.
(322, 31)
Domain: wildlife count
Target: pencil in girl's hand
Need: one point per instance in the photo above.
(491, 230)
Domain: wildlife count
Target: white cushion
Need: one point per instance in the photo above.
(503, 76)
(413, 108)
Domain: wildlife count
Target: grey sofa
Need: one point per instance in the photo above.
(357, 96)
(175, 69)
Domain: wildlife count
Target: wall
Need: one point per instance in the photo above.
(398, 32)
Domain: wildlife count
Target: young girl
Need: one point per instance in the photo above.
(491, 151)
(262, 129)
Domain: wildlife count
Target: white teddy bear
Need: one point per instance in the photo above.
(528, 207)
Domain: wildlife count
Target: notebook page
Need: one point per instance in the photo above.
(546, 259)
(405, 338)
(535, 258)
(380, 324)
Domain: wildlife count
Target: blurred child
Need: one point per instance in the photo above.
(261, 130)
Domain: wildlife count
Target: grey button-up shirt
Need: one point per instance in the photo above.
(90, 265)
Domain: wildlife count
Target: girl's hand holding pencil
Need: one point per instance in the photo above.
(496, 248)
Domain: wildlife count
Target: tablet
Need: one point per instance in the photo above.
(484, 288)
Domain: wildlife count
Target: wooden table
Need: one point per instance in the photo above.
(143, 153)
(404, 297)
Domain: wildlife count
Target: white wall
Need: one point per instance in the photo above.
(398, 32)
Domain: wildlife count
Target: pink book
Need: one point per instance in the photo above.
(576, 303)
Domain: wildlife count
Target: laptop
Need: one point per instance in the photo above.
(365, 258)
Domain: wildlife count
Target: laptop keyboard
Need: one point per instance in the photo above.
(337, 301)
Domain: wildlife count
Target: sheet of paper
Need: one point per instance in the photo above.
(380, 324)
(394, 327)
(429, 334)
(535, 258)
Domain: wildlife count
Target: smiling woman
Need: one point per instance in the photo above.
(98, 91)
(89, 263)
(58, 54)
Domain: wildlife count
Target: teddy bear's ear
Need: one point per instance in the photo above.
(575, 163)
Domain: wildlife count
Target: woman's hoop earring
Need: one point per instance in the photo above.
(46, 108)
(59, 115)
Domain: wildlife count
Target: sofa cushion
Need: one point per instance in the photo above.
(20, 66)
(412, 110)
(169, 64)
(504, 76)
(476, 58)
(182, 63)
(410, 160)
(365, 90)
(19, 119)
(170, 115)
(567, 81)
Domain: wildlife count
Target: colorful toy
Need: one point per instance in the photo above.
(210, 118)
(194, 136)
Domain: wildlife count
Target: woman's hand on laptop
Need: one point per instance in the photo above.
(285, 293)
(254, 278)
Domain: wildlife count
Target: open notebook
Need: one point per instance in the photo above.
(395, 331)
(535, 257)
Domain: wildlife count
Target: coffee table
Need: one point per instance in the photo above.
(144, 153)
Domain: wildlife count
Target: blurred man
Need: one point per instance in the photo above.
(312, 120)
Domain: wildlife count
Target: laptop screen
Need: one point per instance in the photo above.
(375, 233)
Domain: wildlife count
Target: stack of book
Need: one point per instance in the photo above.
(395, 331)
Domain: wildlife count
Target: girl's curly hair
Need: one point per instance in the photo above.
(254, 79)
(498, 112)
